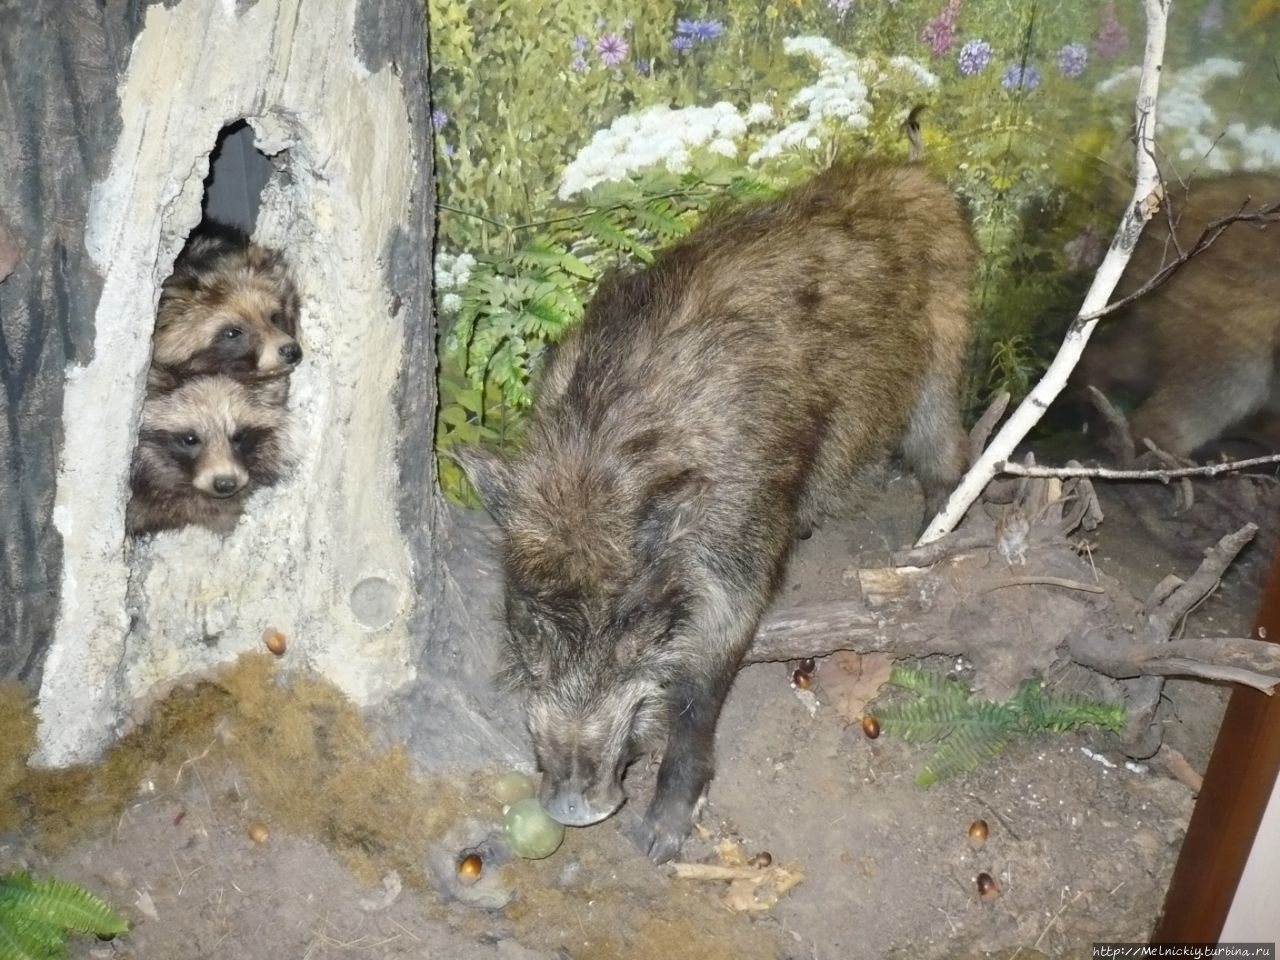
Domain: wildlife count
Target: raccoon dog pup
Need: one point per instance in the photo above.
(707, 407)
(229, 307)
(202, 449)
(1201, 352)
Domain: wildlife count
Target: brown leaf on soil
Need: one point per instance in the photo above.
(852, 680)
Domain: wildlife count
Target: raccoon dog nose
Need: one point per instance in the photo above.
(291, 352)
(225, 486)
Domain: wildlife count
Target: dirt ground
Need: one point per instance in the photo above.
(1081, 845)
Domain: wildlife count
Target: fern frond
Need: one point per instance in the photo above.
(962, 753)
(58, 903)
(924, 720)
(926, 683)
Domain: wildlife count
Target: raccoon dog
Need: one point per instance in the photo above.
(229, 307)
(1200, 354)
(203, 447)
(708, 408)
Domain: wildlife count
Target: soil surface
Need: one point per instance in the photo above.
(1081, 845)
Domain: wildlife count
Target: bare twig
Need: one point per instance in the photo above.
(1111, 473)
(1179, 767)
(1046, 581)
(1269, 213)
(981, 431)
(1140, 209)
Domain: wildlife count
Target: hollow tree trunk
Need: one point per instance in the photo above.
(110, 114)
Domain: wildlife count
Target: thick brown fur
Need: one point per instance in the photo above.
(709, 408)
(202, 449)
(230, 307)
(1199, 353)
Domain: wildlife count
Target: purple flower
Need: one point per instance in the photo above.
(839, 7)
(940, 32)
(1111, 37)
(1021, 75)
(642, 67)
(580, 42)
(685, 27)
(707, 29)
(681, 43)
(974, 56)
(439, 118)
(579, 63)
(612, 49)
(1072, 59)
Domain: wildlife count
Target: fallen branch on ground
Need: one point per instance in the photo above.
(1113, 473)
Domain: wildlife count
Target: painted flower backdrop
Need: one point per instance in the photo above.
(571, 137)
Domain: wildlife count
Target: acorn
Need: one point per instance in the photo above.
(870, 726)
(808, 665)
(978, 833)
(258, 832)
(275, 641)
(760, 860)
(469, 868)
(988, 889)
(801, 680)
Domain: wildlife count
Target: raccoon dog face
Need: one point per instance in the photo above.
(201, 449)
(230, 307)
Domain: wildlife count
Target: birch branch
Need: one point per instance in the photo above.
(1145, 202)
(1110, 473)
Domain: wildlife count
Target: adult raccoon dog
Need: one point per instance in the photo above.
(1199, 353)
(202, 449)
(708, 408)
(229, 307)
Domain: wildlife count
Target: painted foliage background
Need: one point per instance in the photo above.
(574, 136)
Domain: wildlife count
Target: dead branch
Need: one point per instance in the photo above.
(1045, 581)
(962, 541)
(1163, 475)
(1268, 213)
(1144, 202)
(981, 430)
(1179, 767)
(1238, 660)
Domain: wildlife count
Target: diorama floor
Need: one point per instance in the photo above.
(1080, 844)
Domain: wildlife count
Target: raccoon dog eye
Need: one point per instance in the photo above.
(231, 332)
(190, 440)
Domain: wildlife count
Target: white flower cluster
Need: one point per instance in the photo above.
(452, 272)
(655, 135)
(661, 135)
(1192, 125)
(839, 94)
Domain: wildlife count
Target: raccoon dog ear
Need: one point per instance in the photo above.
(489, 475)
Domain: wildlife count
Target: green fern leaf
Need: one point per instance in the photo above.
(926, 683)
(609, 233)
(960, 754)
(925, 720)
(59, 903)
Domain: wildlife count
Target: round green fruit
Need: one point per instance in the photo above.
(514, 786)
(530, 831)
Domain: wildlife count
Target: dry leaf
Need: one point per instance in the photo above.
(852, 680)
(730, 853)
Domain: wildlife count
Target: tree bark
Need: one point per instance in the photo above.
(58, 100)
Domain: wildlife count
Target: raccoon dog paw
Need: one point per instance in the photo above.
(662, 833)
